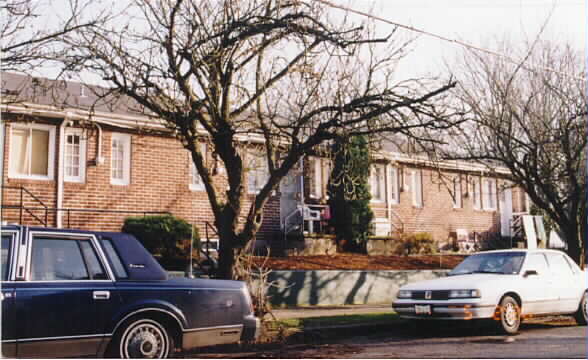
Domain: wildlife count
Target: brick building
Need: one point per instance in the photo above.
(71, 161)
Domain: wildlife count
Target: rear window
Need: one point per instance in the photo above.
(119, 269)
(5, 248)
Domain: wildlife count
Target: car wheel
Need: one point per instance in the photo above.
(510, 315)
(144, 338)
(581, 314)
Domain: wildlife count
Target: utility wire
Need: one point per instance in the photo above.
(458, 42)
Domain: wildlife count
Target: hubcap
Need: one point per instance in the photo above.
(585, 306)
(510, 314)
(144, 341)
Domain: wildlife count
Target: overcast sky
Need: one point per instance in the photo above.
(477, 22)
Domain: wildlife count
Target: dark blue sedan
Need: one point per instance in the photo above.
(79, 293)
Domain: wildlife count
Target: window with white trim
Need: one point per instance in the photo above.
(378, 183)
(476, 199)
(120, 171)
(457, 199)
(32, 151)
(320, 169)
(394, 185)
(417, 188)
(257, 172)
(489, 194)
(75, 156)
(196, 183)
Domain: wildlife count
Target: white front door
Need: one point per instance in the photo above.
(505, 204)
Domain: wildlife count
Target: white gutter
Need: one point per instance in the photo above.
(60, 168)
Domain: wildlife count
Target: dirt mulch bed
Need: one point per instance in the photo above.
(346, 261)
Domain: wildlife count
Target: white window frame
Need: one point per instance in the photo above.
(378, 182)
(320, 170)
(476, 193)
(126, 141)
(417, 188)
(82, 160)
(193, 185)
(50, 155)
(489, 194)
(393, 184)
(457, 193)
(259, 171)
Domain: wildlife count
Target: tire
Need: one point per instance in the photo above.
(510, 316)
(143, 338)
(581, 315)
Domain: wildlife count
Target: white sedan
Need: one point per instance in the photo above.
(504, 285)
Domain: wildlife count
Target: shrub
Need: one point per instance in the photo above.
(417, 243)
(165, 235)
(349, 194)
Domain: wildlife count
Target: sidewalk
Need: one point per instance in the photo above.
(319, 311)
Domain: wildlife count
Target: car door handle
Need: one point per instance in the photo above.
(101, 295)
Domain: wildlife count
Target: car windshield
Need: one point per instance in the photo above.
(490, 263)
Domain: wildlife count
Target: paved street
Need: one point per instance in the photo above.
(535, 341)
(538, 339)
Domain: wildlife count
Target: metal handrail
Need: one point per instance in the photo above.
(22, 208)
(392, 212)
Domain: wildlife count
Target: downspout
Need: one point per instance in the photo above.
(388, 187)
(60, 168)
(99, 160)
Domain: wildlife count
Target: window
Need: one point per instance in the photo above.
(489, 194)
(476, 199)
(394, 191)
(457, 202)
(32, 151)
(94, 267)
(57, 259)
(75, 156)
(417, 188)
(377, 183)
(120, 173)
(538, 263)
(5, 249)
(118, 267)
(320, 170)
(559, 266)
(257, 173)
(196, 183)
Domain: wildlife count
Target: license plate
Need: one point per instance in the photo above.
(422, 309)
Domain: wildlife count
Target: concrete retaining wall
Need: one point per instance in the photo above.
(331, 287)
(327, 287)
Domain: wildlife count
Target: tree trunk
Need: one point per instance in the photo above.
(226, 260)
(573, 241)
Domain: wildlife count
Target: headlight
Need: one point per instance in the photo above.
(404, 294)
(456, 294)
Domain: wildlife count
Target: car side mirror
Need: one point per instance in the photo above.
(530, 272)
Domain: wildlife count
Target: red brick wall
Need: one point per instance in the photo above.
(159, 182)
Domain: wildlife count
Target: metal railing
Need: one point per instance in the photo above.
(48, 210)
(22, 209)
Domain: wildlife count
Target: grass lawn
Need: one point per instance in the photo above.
(338, 320)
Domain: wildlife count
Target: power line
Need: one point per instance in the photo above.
(443, 38)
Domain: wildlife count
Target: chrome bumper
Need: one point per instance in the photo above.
(251, 328)
(439, 311)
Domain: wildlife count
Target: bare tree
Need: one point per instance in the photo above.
(28, 38)
(277, 74)
(531, 118)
